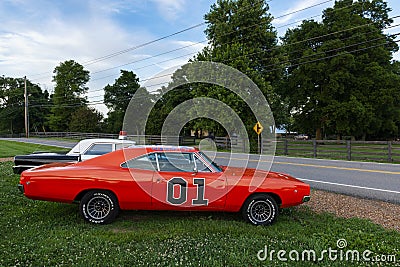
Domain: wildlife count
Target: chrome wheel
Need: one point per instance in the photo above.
(99, 207)
(260, 209)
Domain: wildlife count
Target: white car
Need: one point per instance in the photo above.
(90, 148)
(84, 150)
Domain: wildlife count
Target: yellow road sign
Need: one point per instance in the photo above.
(258, 128)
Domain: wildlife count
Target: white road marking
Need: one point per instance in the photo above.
(347, 185)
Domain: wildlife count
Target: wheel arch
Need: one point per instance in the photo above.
(80, 195)
(276, 197)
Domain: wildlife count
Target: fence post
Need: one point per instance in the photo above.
(285, 147)
(314, 148)
(390, 159)
(348, 146)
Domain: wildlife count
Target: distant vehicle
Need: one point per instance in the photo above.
(301, 137)
(84, 150)
(163, 178)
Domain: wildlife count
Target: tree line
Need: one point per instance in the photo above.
(333, 78)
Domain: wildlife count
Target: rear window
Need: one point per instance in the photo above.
(99, 149)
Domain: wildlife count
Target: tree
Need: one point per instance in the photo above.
(70, 78)
(12, 104)
(86, 120)
(334, 80)
(117, 98)
(240, 35)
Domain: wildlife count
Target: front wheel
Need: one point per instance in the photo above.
(100, 207)
(260, 210)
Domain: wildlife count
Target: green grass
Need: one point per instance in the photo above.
(11, 148)
(37, 233)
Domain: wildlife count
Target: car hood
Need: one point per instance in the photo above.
(263, 174)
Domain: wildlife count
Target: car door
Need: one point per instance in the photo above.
(184, 181)
(141, 171)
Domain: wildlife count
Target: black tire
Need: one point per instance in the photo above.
(260, 210)
(99, 207)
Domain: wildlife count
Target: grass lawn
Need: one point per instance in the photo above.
(11, 148)
(37, 233)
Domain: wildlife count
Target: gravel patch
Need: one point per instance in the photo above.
(6, 159)
(379, 212)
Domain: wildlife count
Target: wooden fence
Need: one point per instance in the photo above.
(380, 151)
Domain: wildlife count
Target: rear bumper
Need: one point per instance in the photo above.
(18, 169)
(21, 188)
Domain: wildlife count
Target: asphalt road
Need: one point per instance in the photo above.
(363, 179)
(58, 143)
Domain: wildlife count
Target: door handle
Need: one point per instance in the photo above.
(159, 180)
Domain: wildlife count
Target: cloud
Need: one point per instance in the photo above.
(299, 5)
(170, 9)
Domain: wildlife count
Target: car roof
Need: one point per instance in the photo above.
(86, 143)
(164, 148)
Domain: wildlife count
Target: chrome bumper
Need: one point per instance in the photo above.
(21, 188)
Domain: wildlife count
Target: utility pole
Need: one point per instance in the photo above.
(26, 111)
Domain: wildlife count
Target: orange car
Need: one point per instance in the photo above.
(163, 178)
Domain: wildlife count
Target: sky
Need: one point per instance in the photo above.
(106, 36)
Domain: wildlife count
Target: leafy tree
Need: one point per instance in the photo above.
(12, 102)
(70, 78)
(240, 35)
(117, 98)
(86, 119)
(340, 71)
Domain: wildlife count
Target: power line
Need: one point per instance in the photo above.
(279, 47)
(90, 62)
(270, 70)
(233, 59)
(264, 51)
(297, 64)
(197, 43)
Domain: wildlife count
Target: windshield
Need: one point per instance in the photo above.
(212, 163)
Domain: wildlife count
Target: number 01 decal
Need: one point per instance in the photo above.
(179, 182)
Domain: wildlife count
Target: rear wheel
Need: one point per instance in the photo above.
(100, 207)
(260, 210)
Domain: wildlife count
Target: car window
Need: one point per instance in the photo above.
(146, 162)
(99, 149)
(209, 161)
(176, 162)
(200, 166)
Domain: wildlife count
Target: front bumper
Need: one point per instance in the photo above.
(21, 188)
